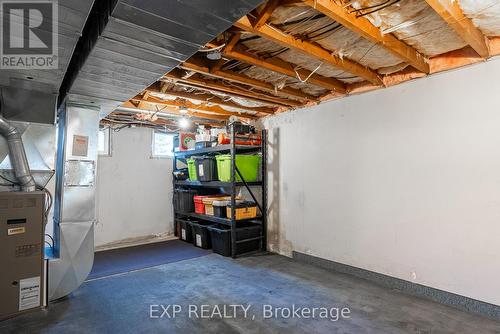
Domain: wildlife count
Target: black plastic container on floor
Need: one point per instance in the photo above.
(206, 169)
(201, 235)
(186, 232)
(183, 200)
(221, 239)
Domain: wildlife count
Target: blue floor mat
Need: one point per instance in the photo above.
(122, 260)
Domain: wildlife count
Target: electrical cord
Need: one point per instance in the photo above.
(14, 183)
(50, 237)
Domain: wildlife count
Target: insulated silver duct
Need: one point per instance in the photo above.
(17, 155)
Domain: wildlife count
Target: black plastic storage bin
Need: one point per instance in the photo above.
(202, 144)
(201, 235)
(183, 200)
(241, 128)
(206, 168)
(221, 239)
(185, 229)
(220, 210)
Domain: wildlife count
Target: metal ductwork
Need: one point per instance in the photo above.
(17, 155)
(129, 44)
(74, 202)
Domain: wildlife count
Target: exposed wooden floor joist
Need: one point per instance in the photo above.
(451, 12)
(191, 106)
(234, 90)
(239, 71)
(197, 66)
(208, 98)
(363, 27)
(173, 111)
(309, 48)
(240, 53)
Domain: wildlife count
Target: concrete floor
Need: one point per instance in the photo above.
(121, 304)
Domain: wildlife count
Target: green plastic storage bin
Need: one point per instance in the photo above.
(192, 169)
(248, 165)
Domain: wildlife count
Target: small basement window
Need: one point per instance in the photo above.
(104, 142)
(162, 145)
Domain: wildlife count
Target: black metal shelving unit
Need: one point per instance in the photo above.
(231, 188)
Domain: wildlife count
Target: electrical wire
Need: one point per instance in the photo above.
(310, 74)
(49, 202)
(332, 29)
(297, 24)
(50, 237)
(251, 38)
(14, 183)
(369, 7)
(213, 49)
(377, 9)
(276, 53)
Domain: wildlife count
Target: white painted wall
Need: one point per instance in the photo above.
(403, 181)
(134, 191)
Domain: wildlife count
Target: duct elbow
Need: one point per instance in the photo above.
(17, 155)
(27, 183)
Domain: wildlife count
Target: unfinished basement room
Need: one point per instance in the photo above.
(250, 166)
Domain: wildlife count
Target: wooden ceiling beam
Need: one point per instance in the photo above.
(235, 38)
(240, 53)
(292, 3)
(135, 122)
(233, 90)
(452, 14)
(162, 119)
(192, 106)
(159, 121)
(494, 46)
(280, 66)
(365, 28)
(265, 13)
(312, 49)
(230, 92)
(200, 67)
(173, 111)
(209, 98)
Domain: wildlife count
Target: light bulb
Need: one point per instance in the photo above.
(184, 123)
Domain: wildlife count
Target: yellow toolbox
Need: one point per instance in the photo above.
(244, 210)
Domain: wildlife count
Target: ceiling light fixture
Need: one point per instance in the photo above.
(214, 55)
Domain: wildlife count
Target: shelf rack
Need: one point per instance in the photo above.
(230, 187)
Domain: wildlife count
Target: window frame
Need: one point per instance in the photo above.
(108, 152)
(156, 156)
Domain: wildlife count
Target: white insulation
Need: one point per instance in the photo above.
(485, 14)
(411, 21)
(176, 88)
(343, 42)
(415, 23)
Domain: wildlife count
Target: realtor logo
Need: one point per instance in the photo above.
(29, 35)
